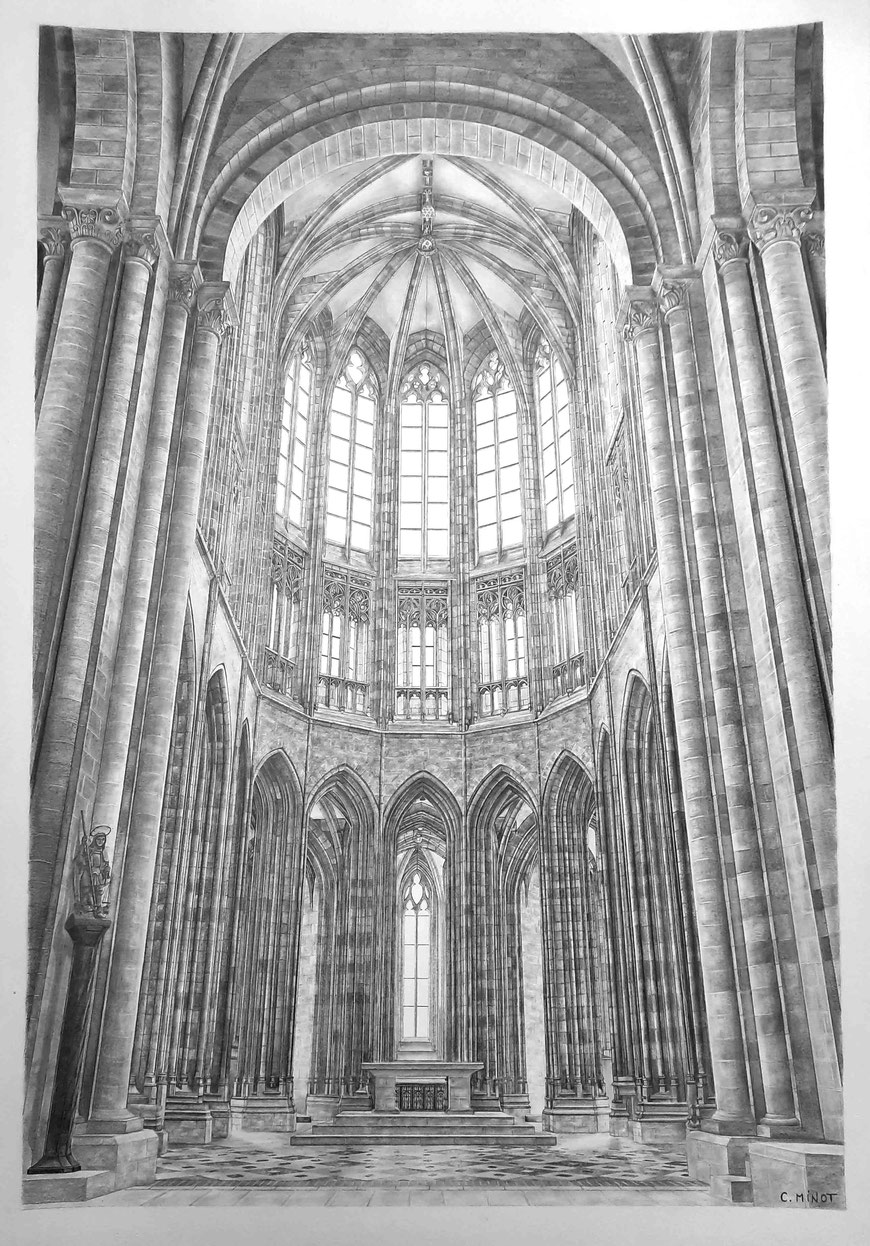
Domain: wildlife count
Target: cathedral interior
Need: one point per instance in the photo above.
(432, 737)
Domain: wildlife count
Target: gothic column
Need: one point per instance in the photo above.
(113, 763)
(776, 232)
(743, 812)
(95, 234)
(90, 619)
(798, 657)
(109, 1114)
(814, 247)
(734, 1113)
(54, 243)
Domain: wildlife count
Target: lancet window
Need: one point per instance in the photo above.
(416, 943)
(293, 441)
(567, 649)
(285, 590)
(503, 685)
(343, 680)
(499, 501)
(554, 415)
(424, 479)
(351, 456)
(421, 652)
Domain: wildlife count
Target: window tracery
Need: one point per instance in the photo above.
(286, 571)
(343, 679)
(563, 574)
(503, 685)
(422, 685)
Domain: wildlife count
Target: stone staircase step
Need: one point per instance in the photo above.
(427, 1137)
(72, 1187)
(429, 1120)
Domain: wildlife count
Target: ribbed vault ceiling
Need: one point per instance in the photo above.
(352, 248)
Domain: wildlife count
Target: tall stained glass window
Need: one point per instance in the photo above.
(554, 415)
(499, 503)
(293, 442)
(351, 456)
(424, 467)
(416, 921)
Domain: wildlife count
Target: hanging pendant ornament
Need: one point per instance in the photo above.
(426, 245)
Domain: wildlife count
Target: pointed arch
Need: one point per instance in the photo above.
(427, 786)
(278, 768)
(500, 784)
(568, 782)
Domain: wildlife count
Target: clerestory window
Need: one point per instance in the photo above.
(351, 456)
(499, 504)
(424, 468)
(554, 416)
(293, 441)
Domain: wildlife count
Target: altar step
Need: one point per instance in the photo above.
(424, 1129)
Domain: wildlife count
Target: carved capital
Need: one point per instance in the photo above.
(672, 297)
(641, 316)
(97, 224)
(54, 242)
(814, 241)
(729, 246)
(215, 312)
(182, 289)
(141, 246)
(769, 224)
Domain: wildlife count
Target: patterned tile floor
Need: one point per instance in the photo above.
(265, 1169)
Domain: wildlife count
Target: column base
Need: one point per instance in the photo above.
(517, 1106)
(129, 1157)
(797, 1174)
(322, 1108)
(658, 1122)
(187, 1120)
(151, 1115)
(74, 1187)
(578, 1116)
(262, 1115)
(716, 1155)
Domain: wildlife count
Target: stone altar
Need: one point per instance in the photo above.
(455, 1074)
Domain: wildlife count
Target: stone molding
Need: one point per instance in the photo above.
(814, 241)
(769, 225)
